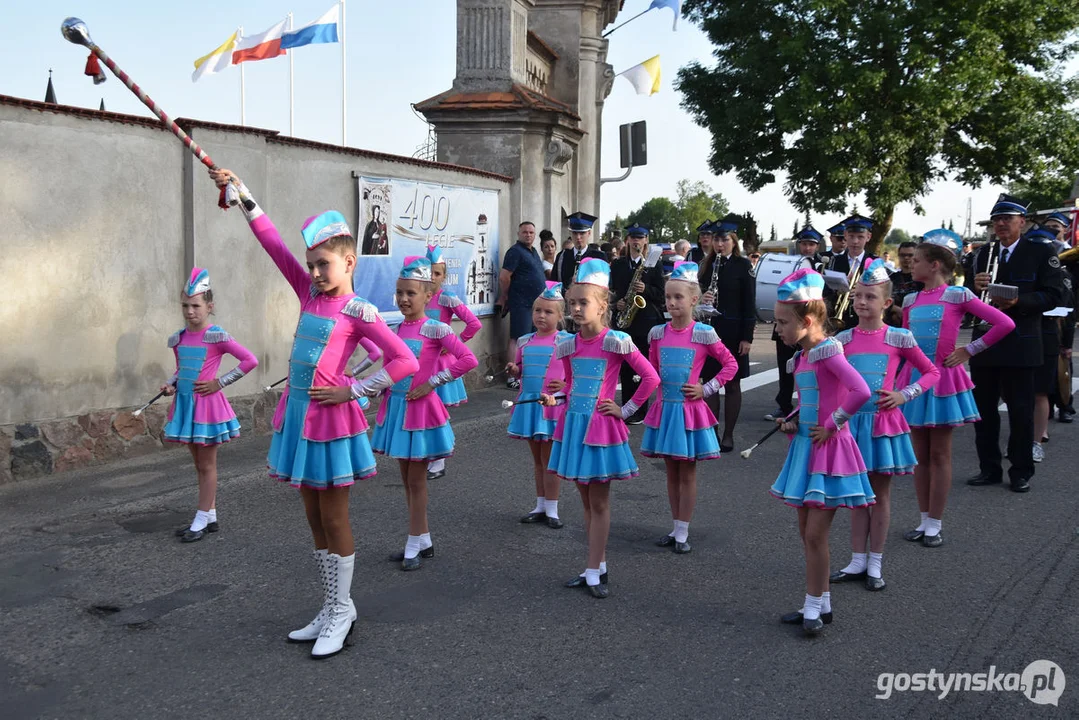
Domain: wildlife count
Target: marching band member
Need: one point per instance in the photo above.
(1045, 375)
(856, 233)
(680, 428)
(875, 350)
(934, 315)
(705, 233)
(824, 468)
(591, 445)
(320, 440)
(567, 262)
(200, 416)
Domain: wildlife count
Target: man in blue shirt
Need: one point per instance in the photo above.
(520, 282)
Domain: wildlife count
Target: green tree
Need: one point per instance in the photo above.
(897, 236)
(617, 223)
(882, 97)
(697, 202)
(661, 216)
(1045, 191)
(772, 235)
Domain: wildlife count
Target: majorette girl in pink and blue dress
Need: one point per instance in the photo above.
(200, 416)
(933, 315)
(680, 428)
(824, 468)
(444, 306)
(876, 350)
(591, 442)
(533, 422)
(413, 425)
(320, 442)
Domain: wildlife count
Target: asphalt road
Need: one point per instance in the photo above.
(103, 614)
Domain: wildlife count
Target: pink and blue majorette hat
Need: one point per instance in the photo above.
(876, 274)
(416, 267)
(944, 237)
(317, 229)
(801, 286)
(434, 254)
(686, 271)
(198, 284)
(553, 291)
(593, 271)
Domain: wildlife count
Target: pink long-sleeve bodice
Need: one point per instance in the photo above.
(678, 356)
(198, 358)
(934, 316)
(876, 356)
(327, 334)
(427, 340)
(444, 306)
(590, 367)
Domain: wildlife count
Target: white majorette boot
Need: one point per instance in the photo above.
(311, 631)
(340, 612)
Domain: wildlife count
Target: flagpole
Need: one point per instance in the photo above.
(242, 115)
(627, 22)
(291, 111)
(344, 84)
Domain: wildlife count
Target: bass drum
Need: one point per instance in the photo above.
(771, 269)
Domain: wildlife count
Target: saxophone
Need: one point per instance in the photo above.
(634, 302)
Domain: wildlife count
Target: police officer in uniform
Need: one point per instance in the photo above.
(735, 319)
(651, 288)
(1007, 370)
(856, 232)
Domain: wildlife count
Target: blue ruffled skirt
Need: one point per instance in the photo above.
(796, 487)
(453, 392)
(884, 455)
(671, 439)
(928, 410)
(572, 460)
(390, 437)
(319, 465)
(528, 423)
(182, 428)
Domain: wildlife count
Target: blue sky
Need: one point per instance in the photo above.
(399, 53)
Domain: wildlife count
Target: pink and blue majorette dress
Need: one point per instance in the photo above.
(314, 445)
(419, 430)
(203, 419)
(829, 475)
(535, 356)
(444, 306)
(590, 446)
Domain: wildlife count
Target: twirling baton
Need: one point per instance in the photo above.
(507, 404)
(268, 388)
(491, 378)
(75, 31)
(154, 399)
(749, 451)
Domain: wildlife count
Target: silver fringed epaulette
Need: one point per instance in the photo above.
(216, 334)
(448, 299)
(174, 339)
(524, 340)
(900, 338)
(435, 330)
(956, 295)
(845, 337)
(909, 299)
(618, 342)
(357, 307)
(826, 349)
(566, 346)
(792, 362)
(704, 334)
(656, 333)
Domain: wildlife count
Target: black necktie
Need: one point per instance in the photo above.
(1005, 253)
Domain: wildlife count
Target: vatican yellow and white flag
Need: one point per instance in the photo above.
(644, 77)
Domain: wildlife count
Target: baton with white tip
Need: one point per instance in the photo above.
(154, 399)
(491, 378)
(507, 404)
(268, 388)
(749, 451)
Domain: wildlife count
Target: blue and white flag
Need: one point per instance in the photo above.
(323, 30)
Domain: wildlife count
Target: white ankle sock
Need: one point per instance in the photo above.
(857, 564)
(921, 525)
(681, 531)
(591, 576)
(812, 608)
(436, 465)
(826, 603)
(551, 508)
(875, 560)
(201, 521)
(413, 547)
(211, 514)
(603, 567)
(674, 528)
(932, 526)
(539, 505)
(425, 541)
